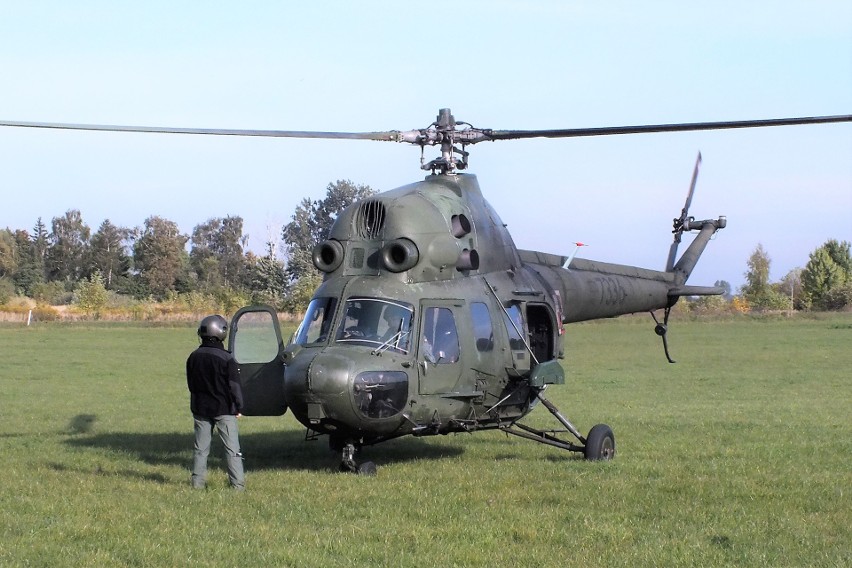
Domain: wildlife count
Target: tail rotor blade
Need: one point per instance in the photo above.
(686, 205)
(680, 222)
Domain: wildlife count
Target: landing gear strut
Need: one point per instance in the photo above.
(598, 445)
(348, 463)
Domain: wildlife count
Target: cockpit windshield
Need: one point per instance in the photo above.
(377, 322)
(317, 323)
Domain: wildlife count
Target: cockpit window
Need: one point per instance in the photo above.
(377, 322)
(317, 323)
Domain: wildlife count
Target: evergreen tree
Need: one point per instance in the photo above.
(108, 253)
(30, 272)
(40, 243)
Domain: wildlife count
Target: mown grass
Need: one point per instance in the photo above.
(738, 455)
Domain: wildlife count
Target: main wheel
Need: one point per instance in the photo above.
(600, 443)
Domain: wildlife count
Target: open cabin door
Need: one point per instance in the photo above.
(255, 341)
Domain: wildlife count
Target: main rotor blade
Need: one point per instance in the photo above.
(430, 136)
(390, 136)
(651, 128)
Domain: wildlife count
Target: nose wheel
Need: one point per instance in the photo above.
(349, 465)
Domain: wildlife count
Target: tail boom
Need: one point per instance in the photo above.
(591, 290)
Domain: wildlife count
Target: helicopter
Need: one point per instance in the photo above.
(429, 320)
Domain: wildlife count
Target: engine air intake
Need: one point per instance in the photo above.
(328, 255)
(400, 255)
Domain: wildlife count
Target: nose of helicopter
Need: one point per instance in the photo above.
(315, 380)
(331, 389)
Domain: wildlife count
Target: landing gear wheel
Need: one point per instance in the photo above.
(600, 443)
(349, 465)
(367, 468)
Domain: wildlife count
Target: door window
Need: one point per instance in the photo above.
(483, 333)
(515, 326)
(257, 341)
(440, 338)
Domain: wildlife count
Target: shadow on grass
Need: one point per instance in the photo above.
(82, 424)
(262, 451)
(99, 470)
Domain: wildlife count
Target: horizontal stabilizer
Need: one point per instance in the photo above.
(697, 291)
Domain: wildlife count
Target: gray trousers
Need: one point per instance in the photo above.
(226, 425)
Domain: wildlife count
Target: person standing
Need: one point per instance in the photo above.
(216, 400)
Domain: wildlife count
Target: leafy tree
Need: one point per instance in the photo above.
(7, 290)
(338, 196)
(92, 295)
(267, 282)
(217, 252)
(757, 290)
(8, 254)
(202, 256)
(230, 244)
(311, 224)
(160, 257)
(840, 254)
(827, 269)
(300, 236)
(67, 247)
(726, 286)
(791, 287)
(52, 293)
(301, 292)
(838, 297)
(757, 276)
(108, 253)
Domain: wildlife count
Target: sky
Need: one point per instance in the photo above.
(501, 64)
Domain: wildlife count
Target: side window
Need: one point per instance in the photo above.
(515, 326)
(440, 339)
(483, 333)
(256, 340)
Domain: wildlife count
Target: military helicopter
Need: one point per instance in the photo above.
(429, 319)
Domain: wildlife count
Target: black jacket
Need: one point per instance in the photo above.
(213, 381)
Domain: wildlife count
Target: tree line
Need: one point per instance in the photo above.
(66, 261)
(825, 283)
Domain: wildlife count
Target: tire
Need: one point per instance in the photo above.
(600, 443)
(367, 468)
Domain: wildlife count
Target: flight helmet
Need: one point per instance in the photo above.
(213, 327)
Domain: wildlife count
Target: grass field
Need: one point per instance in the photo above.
(738, 455)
